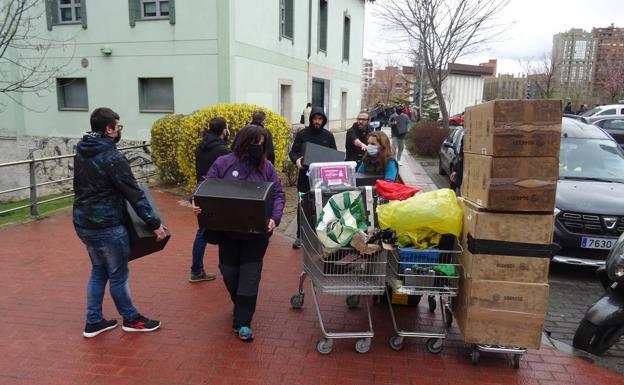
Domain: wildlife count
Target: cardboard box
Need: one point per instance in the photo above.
(529, 233)
(511, 183)
(142, 239)
(513, 128)
(235, 205)
(501, 313)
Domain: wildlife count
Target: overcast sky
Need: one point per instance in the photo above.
(534, 24)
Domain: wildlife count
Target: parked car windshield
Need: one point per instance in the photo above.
(591, 159)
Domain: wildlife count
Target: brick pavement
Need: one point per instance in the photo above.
(44, 269)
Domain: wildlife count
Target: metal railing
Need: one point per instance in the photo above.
(34, 202)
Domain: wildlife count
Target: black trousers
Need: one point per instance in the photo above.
(240, 263)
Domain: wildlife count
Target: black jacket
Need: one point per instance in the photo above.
(103, 181)
(322, 137)
(355, 153)
(207, 151)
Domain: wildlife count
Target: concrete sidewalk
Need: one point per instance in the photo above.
(43, 273)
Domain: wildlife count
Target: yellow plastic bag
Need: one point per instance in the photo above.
(421, 219)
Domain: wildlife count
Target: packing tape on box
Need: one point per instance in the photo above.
(516, 249)
(499, 183)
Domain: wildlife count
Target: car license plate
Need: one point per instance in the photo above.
(597, 243)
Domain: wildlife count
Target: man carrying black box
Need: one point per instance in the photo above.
(212, 146)
(103, 181)
(315, 133)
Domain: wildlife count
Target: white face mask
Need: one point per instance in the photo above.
(372, 149)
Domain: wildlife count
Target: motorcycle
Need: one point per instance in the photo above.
(603, 323)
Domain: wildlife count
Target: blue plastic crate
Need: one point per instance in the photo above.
(409, 256)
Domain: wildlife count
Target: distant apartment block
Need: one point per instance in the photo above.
(574, 52)
(609, 59)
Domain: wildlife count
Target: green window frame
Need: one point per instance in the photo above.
(77, 8)
(322, 26)
(287, 19)
(346, 38)
(137, 8)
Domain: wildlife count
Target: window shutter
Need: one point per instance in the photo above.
(51, 7)
(288, 19)
(172, 17)
(83, 13)
(134, 11)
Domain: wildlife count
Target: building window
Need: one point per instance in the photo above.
(346, 37)
(65, 12)
(151, 10)
(287, 19)
(72, 94)
(154, 9)
(156, 94)
(322, 30)
(69, 11)
(580, 48)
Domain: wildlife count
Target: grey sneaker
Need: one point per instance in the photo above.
(297, 244)
(203, 276)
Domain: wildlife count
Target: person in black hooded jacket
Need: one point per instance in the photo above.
(212, 146)
(314, 133)
(103, 181)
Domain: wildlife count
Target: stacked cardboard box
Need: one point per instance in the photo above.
(511, 150)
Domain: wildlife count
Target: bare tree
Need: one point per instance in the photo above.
(25, 63)
(444, 30)
(542, 74)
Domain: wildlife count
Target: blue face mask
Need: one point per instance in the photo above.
(372, 149)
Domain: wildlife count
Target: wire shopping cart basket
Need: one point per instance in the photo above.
(424, 272)
(344, 271)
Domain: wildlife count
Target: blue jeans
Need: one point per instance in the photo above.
(199, 247)
(108, 249)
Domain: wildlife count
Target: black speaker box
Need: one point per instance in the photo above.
(314, 153)
(235, 205)
(142, 239)
(366, 179)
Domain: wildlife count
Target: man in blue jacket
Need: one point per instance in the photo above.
(103, 181)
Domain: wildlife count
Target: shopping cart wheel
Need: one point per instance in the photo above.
(515, 360)
(435, 345)
(296, 301)
(324, 346)
(432, 303)
(474, 356)
(449, 316)
(362, 345)
(353, 301)
(396, 342)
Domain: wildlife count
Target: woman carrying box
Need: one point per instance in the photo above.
(378, 157)
(241, 254)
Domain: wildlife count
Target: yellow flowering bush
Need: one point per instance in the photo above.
(165, 132)
(182, 143)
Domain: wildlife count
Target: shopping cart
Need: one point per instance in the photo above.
(343, 271)
(424, 272)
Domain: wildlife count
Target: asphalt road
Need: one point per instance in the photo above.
(572, 290)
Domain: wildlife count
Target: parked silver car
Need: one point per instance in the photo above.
(602, 112)
(614, 127)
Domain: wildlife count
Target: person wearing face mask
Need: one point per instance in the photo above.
(212, 146)
(314, 133)
(241, 254)
(355, 140)
(378, 159)
(103, 181)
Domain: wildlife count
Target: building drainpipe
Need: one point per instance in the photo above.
(309, 80)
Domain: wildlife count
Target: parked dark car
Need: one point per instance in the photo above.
(590, 206)
(614, 127)
(457, 120)
(449, 150)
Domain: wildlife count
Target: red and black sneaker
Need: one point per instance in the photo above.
(140, 324)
